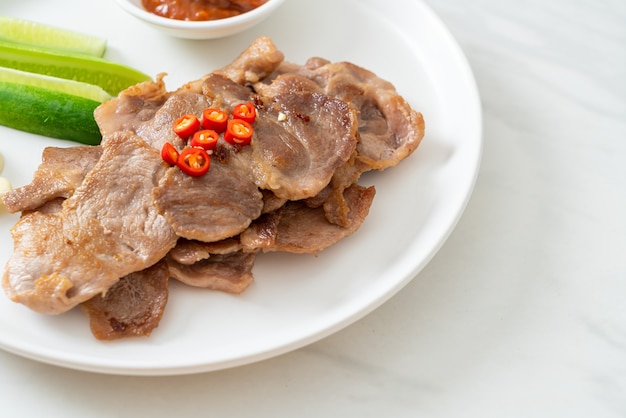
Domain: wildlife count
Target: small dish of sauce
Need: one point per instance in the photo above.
(200, 19)
(200, 10)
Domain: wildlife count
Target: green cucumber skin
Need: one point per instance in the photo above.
(112, 77)
(48, 113)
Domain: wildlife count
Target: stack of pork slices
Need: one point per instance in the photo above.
(107, 227)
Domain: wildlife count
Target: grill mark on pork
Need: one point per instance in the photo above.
(131, 307)
(107, 229)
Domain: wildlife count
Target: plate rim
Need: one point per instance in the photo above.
(26, 350)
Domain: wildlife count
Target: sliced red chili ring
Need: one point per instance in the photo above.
(214, 119)
(194, 161)
(169, 153)
(206, 139)
(186, 125)
(245, 111)
(238, 132)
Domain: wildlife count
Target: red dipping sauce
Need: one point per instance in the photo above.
(200, 10)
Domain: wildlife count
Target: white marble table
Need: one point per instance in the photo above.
(521, 313)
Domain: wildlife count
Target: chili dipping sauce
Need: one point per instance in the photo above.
(200, 10)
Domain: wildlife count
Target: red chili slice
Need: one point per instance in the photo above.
(186, 125)
(245, 111)
(194, 161)
(169, 153)
(205, 139)
(238, 132)
(214, 119)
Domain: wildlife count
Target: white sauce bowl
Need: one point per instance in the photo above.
(201, 29)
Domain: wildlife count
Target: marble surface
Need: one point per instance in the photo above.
(520, 314)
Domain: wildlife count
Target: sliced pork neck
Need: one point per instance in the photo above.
(107, 229)
(389, 129)
(103, 225)
(230, 273)
(131, 307)
(258, 61)
(213, 207)
(131, 107)
(298, 228)
(61, 171)
(301, 138)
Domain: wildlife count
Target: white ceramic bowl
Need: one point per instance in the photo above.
(201, 30)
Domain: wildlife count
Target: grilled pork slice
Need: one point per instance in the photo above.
(295, 227)
(298, 228)
(389, 129)
(188, 252)
(132, 307)
(106, 230)
(213, 207)
(261, 235)
(258, 61)
(301, 138)
(231, 273)
(131, 107)
(61, 171)
(157, 130)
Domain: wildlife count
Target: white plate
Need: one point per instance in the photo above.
(296, 299)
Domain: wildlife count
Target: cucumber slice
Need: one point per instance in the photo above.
(112, 77)
(49, 106)
(71, 87)
(49, 113)
(45, 36)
